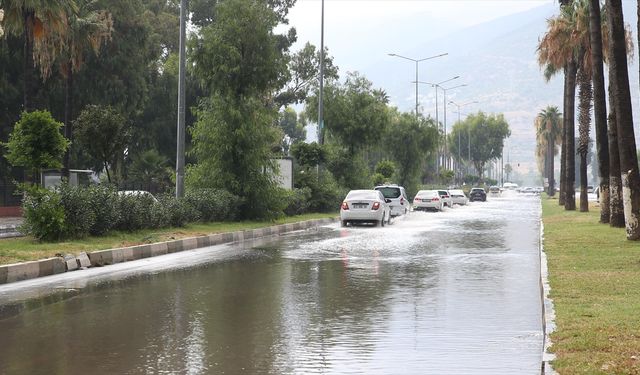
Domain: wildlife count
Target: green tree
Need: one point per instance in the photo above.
(355, 113)
(149, 168)
(548, 124)
(241, 61)
(35, 21)
(303, 74)
(485, 134)
(87, 28)
(308, 154)
(36, 143)
(103, 133)
(409, 140)
(293, 129)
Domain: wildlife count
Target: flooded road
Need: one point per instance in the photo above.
(455, 292)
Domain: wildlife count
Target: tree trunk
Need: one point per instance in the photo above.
(600, 107)
(68, 110)
(616, 218)
(563, 147)
(584, 80)
(551, 190)
(570, 154)
(27, 63)
(624, 119)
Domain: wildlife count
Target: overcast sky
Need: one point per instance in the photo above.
(344, 17)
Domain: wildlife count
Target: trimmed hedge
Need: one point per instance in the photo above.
(76, 212)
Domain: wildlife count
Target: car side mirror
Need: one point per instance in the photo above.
(387, 200)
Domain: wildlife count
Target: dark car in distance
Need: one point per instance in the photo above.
(477, 194)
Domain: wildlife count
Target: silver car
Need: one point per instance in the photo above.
(427, 200)
(458, 197)
(365, 206)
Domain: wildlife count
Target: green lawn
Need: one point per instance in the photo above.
(15, 250)
(594, 274)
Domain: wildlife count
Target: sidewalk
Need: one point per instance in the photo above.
(9, 227)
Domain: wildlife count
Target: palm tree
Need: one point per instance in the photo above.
(556, 51)
(624, 120)
(88, 28)
(600, 106)
(549, 131)
(34, 21)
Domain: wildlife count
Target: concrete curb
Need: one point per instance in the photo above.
(29, 270)
(548, 310)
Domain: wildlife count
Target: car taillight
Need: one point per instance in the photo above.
(401, 200)
(435, 199)
(345, 206)
(417, 199)
(375, 206)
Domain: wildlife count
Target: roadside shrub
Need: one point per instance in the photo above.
(43, 214)
(298, 201)
(78, 211)
(326, 195)
(213, 204)
(136, 212)
(177, 212)
(104, 203)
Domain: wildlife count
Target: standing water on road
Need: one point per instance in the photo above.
(455, 292)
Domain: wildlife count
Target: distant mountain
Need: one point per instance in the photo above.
(497, 60)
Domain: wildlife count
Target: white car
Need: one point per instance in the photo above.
(446, 198)
(399, 202)
(365, 206)
(458, 197)
(427, 200)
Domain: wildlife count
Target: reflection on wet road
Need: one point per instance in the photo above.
(434, 293)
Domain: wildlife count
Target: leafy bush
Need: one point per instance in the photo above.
(136, 212)
(298, 201)
(105, 205)
(178, 211)
(326, 195)
(386, 168)
(43, 214)
(213, 204)
(78, 212)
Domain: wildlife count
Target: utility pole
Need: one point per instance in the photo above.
(320, 94)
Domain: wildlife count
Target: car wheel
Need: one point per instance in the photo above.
(389, 220)
(344, 223)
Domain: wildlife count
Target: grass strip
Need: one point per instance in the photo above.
(594, 274)
(14, 250)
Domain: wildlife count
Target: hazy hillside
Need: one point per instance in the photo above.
(498, 62)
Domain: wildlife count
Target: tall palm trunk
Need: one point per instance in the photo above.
(569, 142)
(616, 218)
(27, 62)
(600, 106)
(624, 119)
(584, 119)
(551, 148)
(68, 113)
(563, 147)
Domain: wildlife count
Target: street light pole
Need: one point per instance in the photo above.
(445, 118)
(320, 94)
(417, 61)
(468, 134)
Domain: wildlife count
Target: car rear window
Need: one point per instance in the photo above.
(427, 193)
(389, 192)
(362, 194)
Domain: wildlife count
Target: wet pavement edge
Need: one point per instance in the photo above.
(548, 311)
(45, 267)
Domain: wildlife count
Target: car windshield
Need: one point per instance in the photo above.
(362, 194)
(442, 192)
(477, 189)
(456, 192)
(389, 192)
